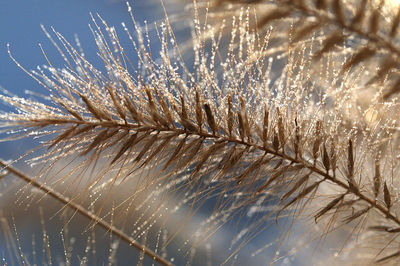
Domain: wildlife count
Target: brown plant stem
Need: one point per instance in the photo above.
(78, 208)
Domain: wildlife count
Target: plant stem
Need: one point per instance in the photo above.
(321, 172)
(78, 208)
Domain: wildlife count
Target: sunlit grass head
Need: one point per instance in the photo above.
(269, 123)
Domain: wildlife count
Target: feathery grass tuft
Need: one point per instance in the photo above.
(251, 127)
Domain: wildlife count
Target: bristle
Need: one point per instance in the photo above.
(230, 115)
(91, 107)
(210, 118)
(277, 13)
(362, 55)
(330, 42)
(199, 111)
(124, 148)
(265, 126)
(338, 10)
(255, 128)
(386, 196)
(377, 179)
(118, 107)
(328, 207)
(296, 186)
(395, 24)
(165, 108)
(320, 4)
(356, 215)
(360, 15)
(317, 140)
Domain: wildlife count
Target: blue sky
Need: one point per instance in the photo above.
(20, 22)
(20, 27)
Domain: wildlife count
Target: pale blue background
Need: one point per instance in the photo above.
(20, 27)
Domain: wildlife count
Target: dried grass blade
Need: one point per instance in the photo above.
(296, 143)
(281, 131)
(199, 111)
(333, 156)
(395, 24)
(329, 43)
(273, 177)
(175, 153)
(159, 148)
(348, 203)
(306, 30)
(84, 129)
(241, 126)
(296, 186)
(377, 179)
(227, 155)
(118, 107)
(360, 15)
(374, 21)
(148, 145)
(259, 133)
(275, 14)
(64, 135)
(265, 126)
(318, 139)
(350, 163)
(389, 257)
(300, 196)
(295, 167)
(246, 123)
(275, 142)
(153, 109)
(393, 90)
(361, 55)
(230, 115)
(338, 11)
(117, 139)
(70, 110)
(356, 215)
(379, 228)
(136, 116)
(185, 119)
(210, 118)
(393, 230)
(320, 4)
(164, 106)
(92, 109)
(233, 160)
(125, 147)
(96, 141)
(188, 125)
(184, 114)
(387, 64)
(328, 207)
(204, 157)
(194, 150)
(325, 158)
(386, 196)
(257, 164)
